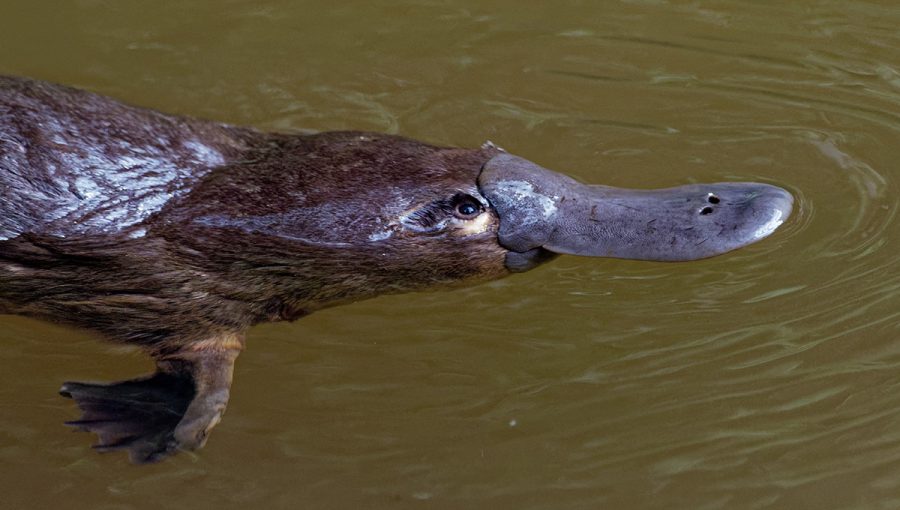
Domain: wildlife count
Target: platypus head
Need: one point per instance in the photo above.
(359, 214)
(534, 214)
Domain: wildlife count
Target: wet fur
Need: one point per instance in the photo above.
(278, 228)
(177, 235)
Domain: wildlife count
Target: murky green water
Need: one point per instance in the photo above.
(767, 378)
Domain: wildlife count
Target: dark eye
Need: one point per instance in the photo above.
(467, 209)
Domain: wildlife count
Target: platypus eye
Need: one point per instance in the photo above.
(466, 207)
(437, 216)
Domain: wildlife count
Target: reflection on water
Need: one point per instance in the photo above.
(763, 379)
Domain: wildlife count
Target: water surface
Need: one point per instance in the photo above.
(766, 378)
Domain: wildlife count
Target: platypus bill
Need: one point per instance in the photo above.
(178, 234)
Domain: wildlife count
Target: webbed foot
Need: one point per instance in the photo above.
(138, 415)
(155, 416)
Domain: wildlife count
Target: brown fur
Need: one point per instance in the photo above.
(178, 234)
(183, 278)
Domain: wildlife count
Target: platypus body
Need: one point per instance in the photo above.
(178, 234)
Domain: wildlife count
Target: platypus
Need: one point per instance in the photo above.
(178, 234)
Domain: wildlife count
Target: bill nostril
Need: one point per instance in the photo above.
(712, 199)
(706, 210)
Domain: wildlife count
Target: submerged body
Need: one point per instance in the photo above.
(178, 234)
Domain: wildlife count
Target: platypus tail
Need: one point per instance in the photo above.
(137, 415)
